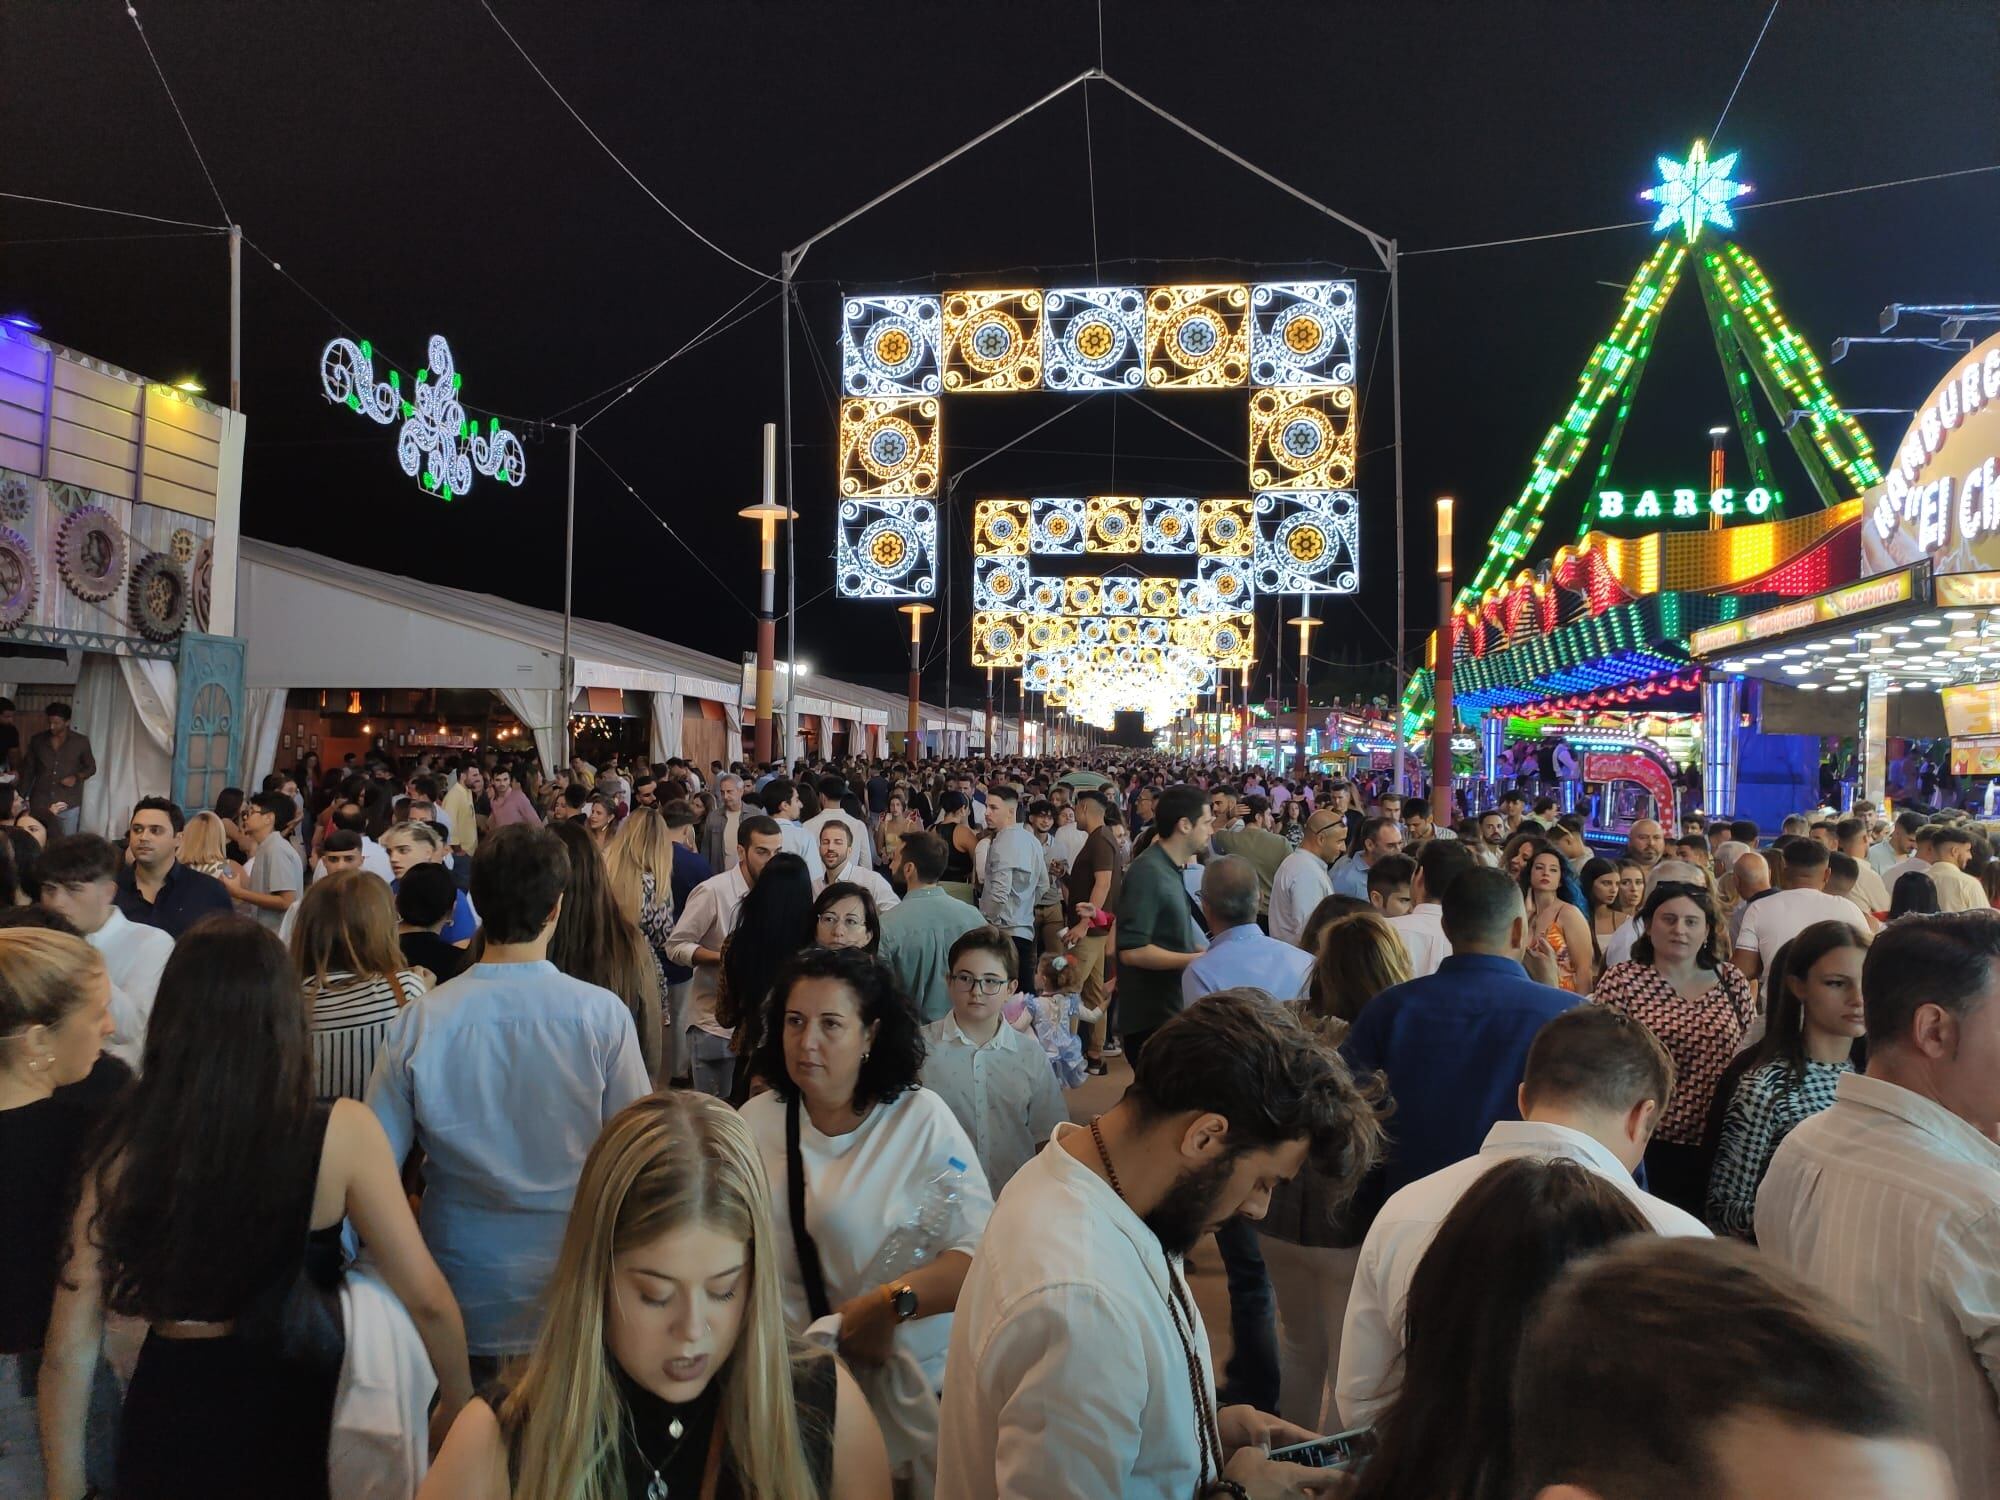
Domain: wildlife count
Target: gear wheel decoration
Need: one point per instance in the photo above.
(19, 580)
(17, 495)
(204, 580)
(159, 596)
(90, 553)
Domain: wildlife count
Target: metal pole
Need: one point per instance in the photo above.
(1396, 400)
(235, 317)
(767, 515)
(785, 267)
(989, 713)
(1444, 720)
(1305, 622)
(914, 731)
(569, 571)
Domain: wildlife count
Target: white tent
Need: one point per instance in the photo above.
(315, 622)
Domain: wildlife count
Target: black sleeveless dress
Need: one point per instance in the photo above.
(247, 1416)
(647, 1446)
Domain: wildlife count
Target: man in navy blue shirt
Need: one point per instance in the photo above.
(1454, 1045)
(156, 888)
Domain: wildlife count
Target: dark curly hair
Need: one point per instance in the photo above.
(895, 1059)
(1243, 1056)
(1710, 954)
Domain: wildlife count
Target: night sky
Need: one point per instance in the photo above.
(403, 163)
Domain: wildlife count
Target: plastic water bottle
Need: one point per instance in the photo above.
(916, 1242)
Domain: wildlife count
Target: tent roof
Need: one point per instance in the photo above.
(315, 621)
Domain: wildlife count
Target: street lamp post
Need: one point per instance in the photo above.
(767, 513)
(1716, 460)
(1443, 717)
(913, 736)
(1305, 622)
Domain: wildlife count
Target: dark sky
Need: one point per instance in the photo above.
(405, 165)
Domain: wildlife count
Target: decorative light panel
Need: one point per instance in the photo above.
(999, 638)
(1000, 528)
(1226, 528)
(889, 447)
(438, 445)
(1308, 542)
(1293, 343)
(887, 549)
(889, 346)
(1114, 523)
(999, 582)
(1171, 525)
(1094, 338)
(1060, 528)
(1302, 438)
(1197, 337)
(992, 341)
(1302, 333)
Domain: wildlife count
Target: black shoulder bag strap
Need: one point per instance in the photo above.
(795, 1204)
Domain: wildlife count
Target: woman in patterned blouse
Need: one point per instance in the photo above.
(1679, 988)
(1815, 1016)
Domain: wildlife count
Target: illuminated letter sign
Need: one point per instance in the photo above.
(1626, 507)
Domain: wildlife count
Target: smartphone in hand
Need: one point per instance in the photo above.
(1339, 1450)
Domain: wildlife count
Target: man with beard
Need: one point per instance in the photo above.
(1079, 1366)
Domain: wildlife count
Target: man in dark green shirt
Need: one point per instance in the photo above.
(1156, 934)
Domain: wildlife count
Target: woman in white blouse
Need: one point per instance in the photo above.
(851, 1144)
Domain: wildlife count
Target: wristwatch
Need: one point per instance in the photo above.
(903, 1299)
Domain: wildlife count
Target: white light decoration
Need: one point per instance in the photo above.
(999, 582)
(1302, 333)
(1171, 525)
(1094, 338)
(1058, 528)
(1308, 542)
(438, 445)
(887, 549)
(889, 346)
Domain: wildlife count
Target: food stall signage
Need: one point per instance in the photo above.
(1855, 599)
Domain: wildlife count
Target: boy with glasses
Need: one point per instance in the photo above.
(996, 1079)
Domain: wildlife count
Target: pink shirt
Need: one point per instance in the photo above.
(513, 808)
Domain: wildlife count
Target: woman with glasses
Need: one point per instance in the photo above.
(845, 917)
(1678, 986)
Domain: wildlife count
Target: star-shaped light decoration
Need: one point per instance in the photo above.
(1696, 191)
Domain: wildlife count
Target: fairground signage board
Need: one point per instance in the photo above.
(1940, 498)
(1822, 609)
(1681, 506)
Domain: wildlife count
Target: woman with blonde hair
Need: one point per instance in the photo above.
(205, 844)
(1311, 1242)
(639, 867)
(352, 973)
(663, 1365)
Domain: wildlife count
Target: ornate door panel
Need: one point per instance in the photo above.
(208, 733)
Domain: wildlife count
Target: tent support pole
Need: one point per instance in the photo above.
(569, 574)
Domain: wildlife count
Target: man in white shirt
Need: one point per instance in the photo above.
(781, 801)
(997, 1080)
(79, 875)
(831, 790)
(1923, 852)
(837, 863)
(1079, 1364)
(1595, 1085)
(1015, 873)
(1852, 835)
(1888, 1203)
(730, 789)
(1305, 877)
(696, 943)
(1956, 890)
(1422, 927)
(1782, 916)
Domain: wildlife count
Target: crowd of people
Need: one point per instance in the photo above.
(432, 1127)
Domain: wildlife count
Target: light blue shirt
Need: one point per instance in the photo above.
(1240, 957)
(1015, 871)
(504, 1075)
(1350, 877)
(917, 934)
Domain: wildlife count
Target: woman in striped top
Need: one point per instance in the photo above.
(352, 974)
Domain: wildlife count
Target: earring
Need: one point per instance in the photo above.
(864, 1058)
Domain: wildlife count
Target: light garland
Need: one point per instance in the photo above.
(438, 445)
